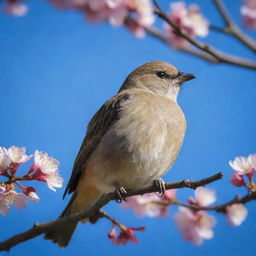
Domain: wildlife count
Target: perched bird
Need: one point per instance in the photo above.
(131, 141)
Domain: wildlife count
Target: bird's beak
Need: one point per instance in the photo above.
(183, 77)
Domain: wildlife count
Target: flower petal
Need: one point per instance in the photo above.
(205, 196)
(33, 197)
(19, 201)
(5, 160)
(236, 214)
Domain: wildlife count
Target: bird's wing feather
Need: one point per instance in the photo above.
(97, 127)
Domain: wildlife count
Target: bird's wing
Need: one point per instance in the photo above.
(97, 127)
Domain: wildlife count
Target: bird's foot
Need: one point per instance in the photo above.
(120, 193)
(160, 186)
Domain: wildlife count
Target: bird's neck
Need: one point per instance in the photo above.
(170, 92)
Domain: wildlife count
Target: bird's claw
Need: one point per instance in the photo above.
(160, 186)
(120, 193)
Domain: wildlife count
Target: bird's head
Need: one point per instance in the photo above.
(158, 77)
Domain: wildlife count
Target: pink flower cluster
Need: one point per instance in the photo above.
(248, 10)
(116, 12)
(126, 235)
(15, 8)
(151, 205)
(44, 169)
(197, 225)
(190, 20)
(244, 168)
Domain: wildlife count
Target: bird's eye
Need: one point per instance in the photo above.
(161, 74)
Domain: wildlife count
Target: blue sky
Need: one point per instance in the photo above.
(57, 70)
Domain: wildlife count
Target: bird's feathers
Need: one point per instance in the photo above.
(98, 126)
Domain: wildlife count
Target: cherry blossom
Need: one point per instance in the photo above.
(116, 12)
(47, 169)
(46, 164)
(236, 214)
(12, 158)
(188, 19)
(237, 179)
(244, 167)
(134, 28)
(243, 164)
(5, 160)
(15, 8)
(150, 205)
(144, 10)
(126, 235)
(44, 169)
(17, 156)
(11, 197)
(248, 10)
(197, 225)
(33, 197)
(205, 196)
(30, 192)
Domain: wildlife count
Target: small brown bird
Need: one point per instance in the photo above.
(132, 140)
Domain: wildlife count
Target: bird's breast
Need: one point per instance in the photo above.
(141, 144)
(150, 128)
(145, 140)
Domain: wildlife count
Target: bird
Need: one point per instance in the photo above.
(131, 141)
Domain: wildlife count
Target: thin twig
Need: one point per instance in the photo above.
(222, 207)
(218, 29)
(189, 50)
(218, 55)
(39, 229)
(232, 28)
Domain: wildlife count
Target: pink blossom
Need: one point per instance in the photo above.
(144, 11)
(46, 164)
(236, 214)
(5, 160)
(17, 156)
(189, 20)
(243, 167)
(33, 196)
(47, 169)
(205, 196)
(169, 195)
(15, 8)
(134, 28)
(243, 164)
(116, 12)
(248, 10)
(11, 197)
(195, 225)
(118, 16)
(150, 204)
(4, 208)
(54, 181)
(30, 192)
(237, 179)
(126, 235)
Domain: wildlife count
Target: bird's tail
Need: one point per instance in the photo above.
(88, 195)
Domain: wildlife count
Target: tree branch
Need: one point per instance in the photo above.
(219, 57)
(189, 50)
(222, 207)
(232, 28)
(39, 229)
